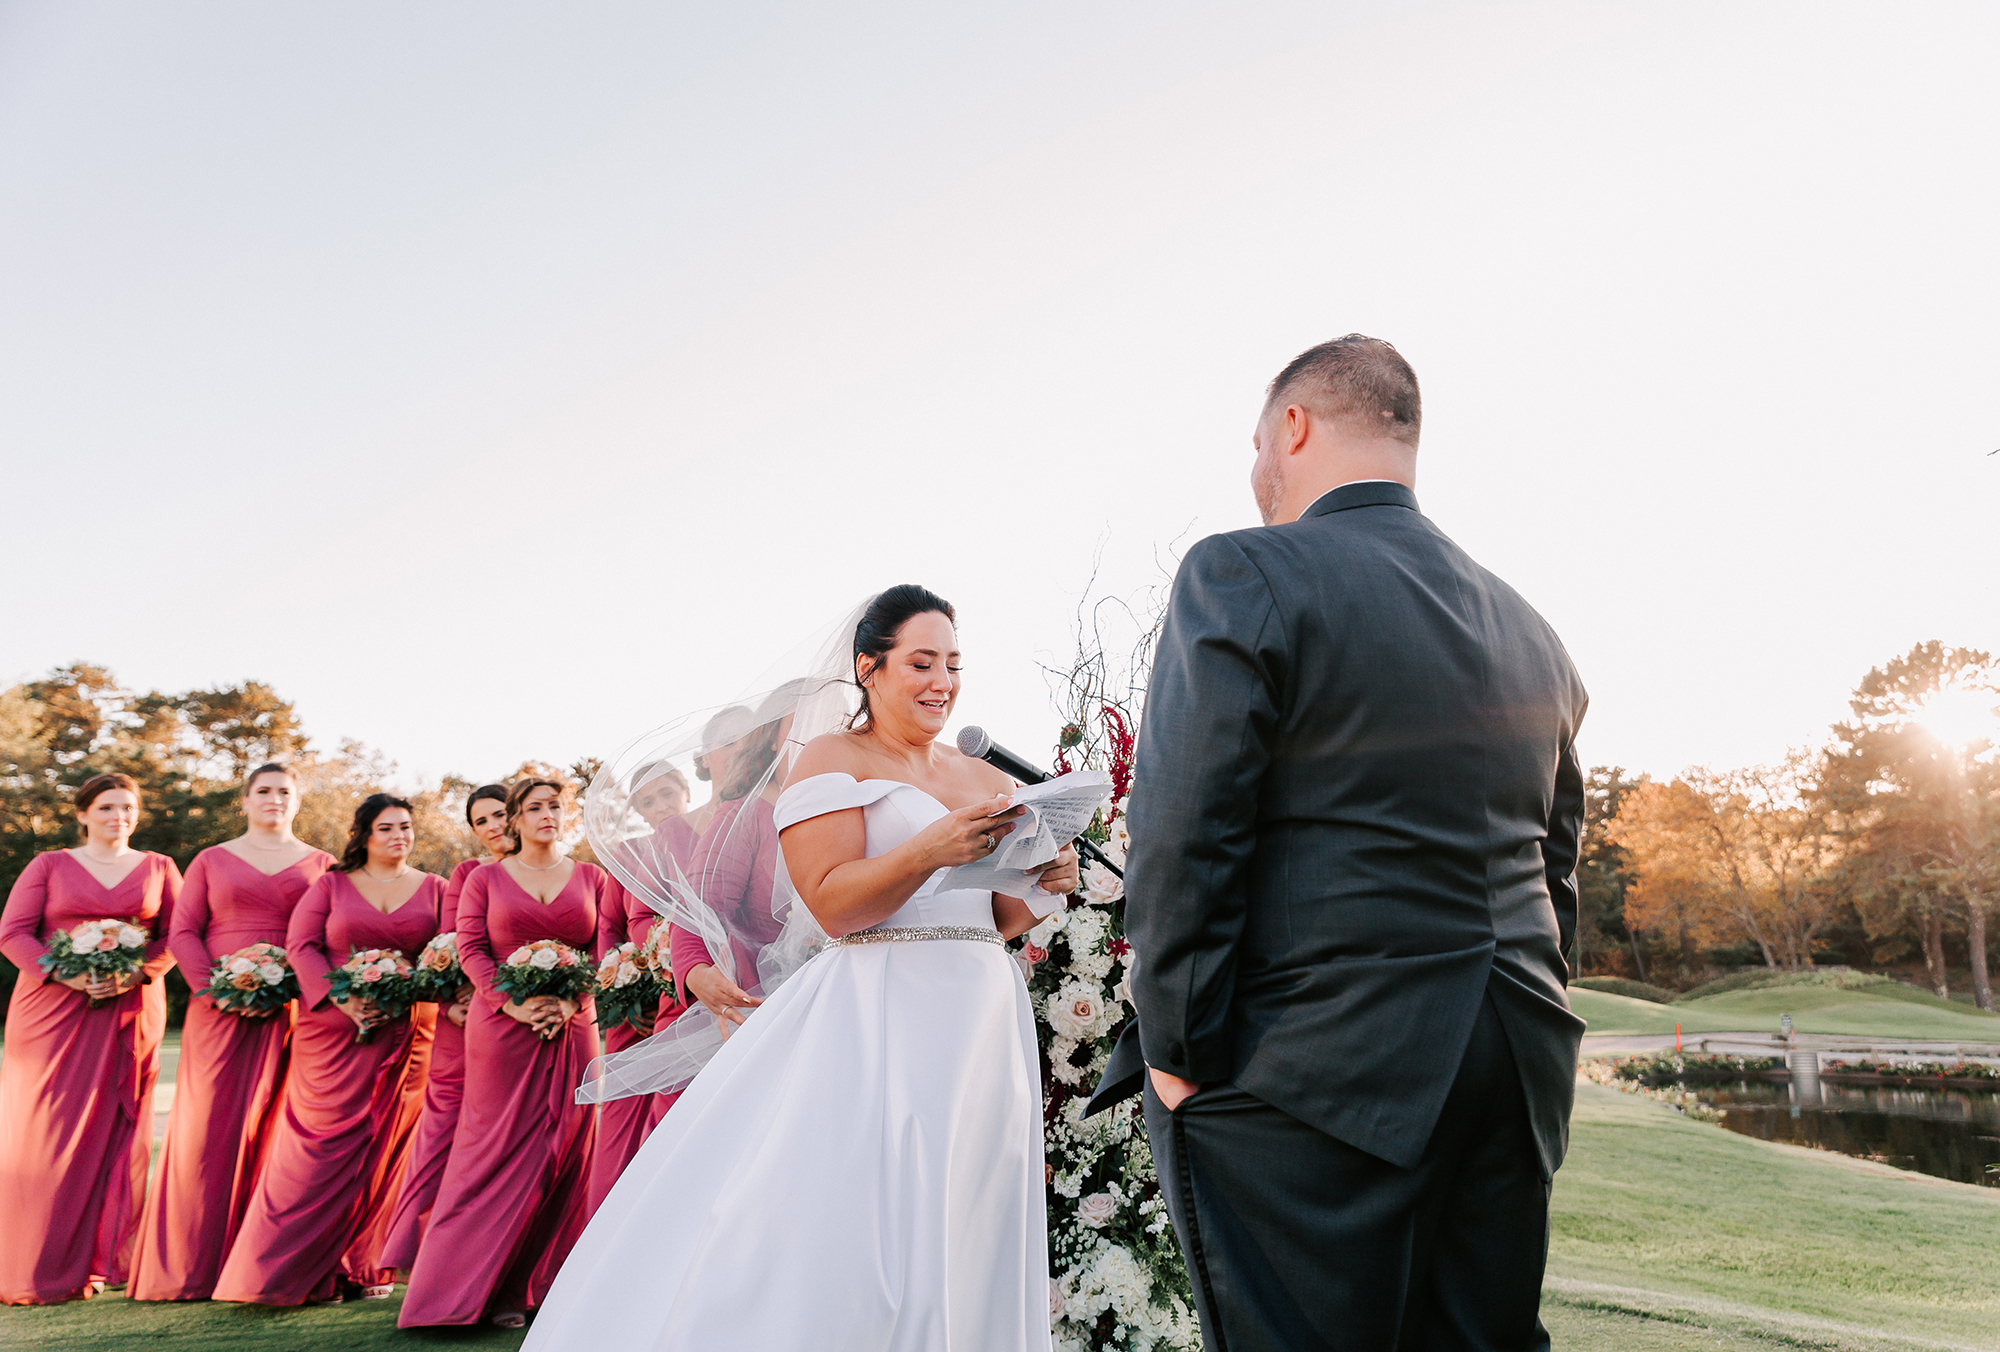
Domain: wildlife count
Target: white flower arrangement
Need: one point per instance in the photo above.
(1120, 1283)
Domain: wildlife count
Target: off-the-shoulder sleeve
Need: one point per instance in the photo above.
(833, 792)
(159, 953)
(305, 942)
(21, 924)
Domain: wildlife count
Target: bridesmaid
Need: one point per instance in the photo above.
(623, 1124)
(486, 814)
(316, 1220)
(76, 1085)
(513, 1199)
(232, 1069)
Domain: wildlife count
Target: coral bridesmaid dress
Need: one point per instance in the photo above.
(231, 1080)
(336, 1155)
(514, 1194)
(76, 1084)
(444, 1088)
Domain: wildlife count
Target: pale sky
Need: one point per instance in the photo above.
(499, 380)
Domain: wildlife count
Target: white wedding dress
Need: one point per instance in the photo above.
(860, 1166)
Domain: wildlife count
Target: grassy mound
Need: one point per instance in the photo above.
(1834, 1001)
(1625, 986)
(1764, 978)
(1662, 1224)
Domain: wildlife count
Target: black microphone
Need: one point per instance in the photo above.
(975, 742)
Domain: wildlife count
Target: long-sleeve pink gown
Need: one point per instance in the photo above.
(336, 1155)
(735, 870)
(231, 1078)
(514, 1196)
(444, 1089)
(76, 1084)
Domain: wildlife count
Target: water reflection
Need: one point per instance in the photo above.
(1949, 1133)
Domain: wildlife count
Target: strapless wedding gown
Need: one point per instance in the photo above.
(860, 1166)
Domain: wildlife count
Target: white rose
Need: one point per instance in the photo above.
(1123, 990)
(627, 974)
(1074, 1009)
(544, 959)
(272, 973)
(1097, 1210)
(1055, 1301)
(85, 935)
(519, 956)
(1101, 885)
(128, 937)
(238, 966)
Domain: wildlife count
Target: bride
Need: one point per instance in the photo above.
(860, 1164)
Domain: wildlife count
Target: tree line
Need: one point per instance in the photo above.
(189, 752)
(1879, 847)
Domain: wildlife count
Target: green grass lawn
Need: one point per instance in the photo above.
(1877, 1011)
(1667, 1235)
(112, 1323)
(1673, 1233)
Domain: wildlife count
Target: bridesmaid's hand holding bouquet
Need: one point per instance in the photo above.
(255, 982)
(441, 980)
(628, 989)
(373, 987)
(544, 982)
(97, 957)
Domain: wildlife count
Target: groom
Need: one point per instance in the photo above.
(1354, 839)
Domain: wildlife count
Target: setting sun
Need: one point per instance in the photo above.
(1961, 716)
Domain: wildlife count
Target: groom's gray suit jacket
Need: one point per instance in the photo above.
(1356, 807)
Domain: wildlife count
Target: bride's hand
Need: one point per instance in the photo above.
(721, 997)
(969, 834)
(1063, 875)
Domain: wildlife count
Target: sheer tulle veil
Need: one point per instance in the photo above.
(716, 872)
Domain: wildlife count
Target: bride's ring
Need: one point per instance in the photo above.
(987, 836)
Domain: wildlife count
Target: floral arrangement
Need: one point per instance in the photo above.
(438, 977)
(102, 948)
(629, 986)
(382, 976)
(546, 967)
(252, 979)
(1118, 1281)
(1915, 1070)
(1676, 1066)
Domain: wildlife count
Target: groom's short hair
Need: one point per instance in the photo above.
(1357, 380)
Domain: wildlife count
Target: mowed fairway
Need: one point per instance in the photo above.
(1875, 1011)
(1674, 1233)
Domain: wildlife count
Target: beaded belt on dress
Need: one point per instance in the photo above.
(909, 933)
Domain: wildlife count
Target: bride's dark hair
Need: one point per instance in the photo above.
(875, 636)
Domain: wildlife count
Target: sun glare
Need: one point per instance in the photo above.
(1960, 716)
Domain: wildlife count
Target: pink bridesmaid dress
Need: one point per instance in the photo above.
(514, 1196)
(444, 1088)
(231, 1079)
(735, 872)
(76, 1084)
(336, 1154)
(622, 1124)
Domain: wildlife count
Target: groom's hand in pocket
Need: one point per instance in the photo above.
(1172, 1089)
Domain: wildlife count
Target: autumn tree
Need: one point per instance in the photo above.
(1916, 781)
(1739, 854)
(1603, 878)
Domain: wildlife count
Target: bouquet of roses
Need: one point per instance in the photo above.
(546, 967)
(251, 979)
(103, 948)
(438, 976)
(380, 975)
(628, 989)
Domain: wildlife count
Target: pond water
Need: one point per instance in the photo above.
(1949, 1133)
